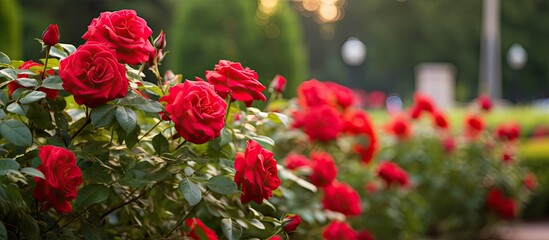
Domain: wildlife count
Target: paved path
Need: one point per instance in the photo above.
(524, 231)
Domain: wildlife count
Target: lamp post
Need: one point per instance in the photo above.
(516, 59)
(353, 54)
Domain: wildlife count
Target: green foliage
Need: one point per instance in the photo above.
(10, 27)
(536, 156)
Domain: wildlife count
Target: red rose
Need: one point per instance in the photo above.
(399, 127)
(256, 173)
(276, 237)
(198, 230)
(439, 120)
(62, 178)
(473, 126)
(344, 96)
(93, 75)
(507, 157)
(358, 123)
(38, 68)
(123, 31)
(530, 181)
(196, 110)
(392, 174)
(295, 161)
(339, 231)
(415, 112)
(449, 144)
(291, 222)
(340, 197)
(50, 37)
(241, 83)
(313, 93)
(278, 84)
(324, 169)
(484, 102)
(508, 131)
(322, 123)
(364, 235)
(502, 205)
(424, 102)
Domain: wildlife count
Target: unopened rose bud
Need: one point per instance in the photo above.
(290, 223)
(160, 41)
(50, 37)
(278, 84)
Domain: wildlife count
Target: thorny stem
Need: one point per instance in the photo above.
(121, 205)
(186, 215)
(181, 144)
(88, 121)
(74, 218)
(150, 130)
(46, 62)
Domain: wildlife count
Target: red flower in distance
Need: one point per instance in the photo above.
(424, 102)
(474, 126)
(484, 102)
(344, 96)
(440, 121)
(508, 131)
(340, 197)
(278, 84)
(357, 122)
(276, 237)
(123, 31)
(241, 83)
(30, 65)
(324, 169)
(530, 181)
(93, 75)
(339, 231)
(399, 127)
(199, 231)
(290, 223)
(50, 37)
(62, 178)
(503, 206)
(507, 157)
(392, 174)
(256, 173)
(449, 144)
(322, 123)
(313, 93)
(196, 110)
(295, 161)
(365, 235)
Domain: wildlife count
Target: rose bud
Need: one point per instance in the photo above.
(278, 84)
(51, 35)
(290, 222)
(160, 41)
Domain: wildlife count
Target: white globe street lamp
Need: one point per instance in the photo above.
(516, 57)
(353, 52)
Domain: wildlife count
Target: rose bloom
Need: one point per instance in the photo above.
(30, 65)
(339, 231)
(399, 127)
(322, 123)
(357, 122)
(314, 93)
(340, 197)
(256, 173)
(508, 131)
(93, 75)
(424, 102)
(449, 144)
(392, 174)
(198, 230)
(295, 161)
(502, 205)
(440, 121)
(415, 112)
(324, 169)
(276, 237)
(484, 102)
(364, 235)
(278, 84)
(196, 110)
(530, 181)
(291, 222)
(344, 96)
(507, 157)
(62, 178)
(474, 126)
(123, 31)
(241, 83)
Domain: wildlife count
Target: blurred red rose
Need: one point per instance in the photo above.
(392, 174)
(365, 235)
(241, 83)
(30, 65)
(376, 99)
(50, 36)
(439, 120)
(62, 178)
(507, 157)
(357, 122)
(256, 173)
(324, 169)
(530, 181)
(295, 161)
(424, 102)
(415, 112)
(196, 110)
(278, 84)
(508, 131)
(371, 187)
(344, 96)
(314, 93)
(502, 205)
(276, 237)
(484, 102)
(93, 75)
(340, 197)
(399, 126)
(198, 230)
(123, 31)
(291, 222)
(322, 123)
(449, 144)
(339, 231)
(474, 125)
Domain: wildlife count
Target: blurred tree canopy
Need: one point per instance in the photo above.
(10, 28)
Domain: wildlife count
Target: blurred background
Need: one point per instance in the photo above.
(453, 50)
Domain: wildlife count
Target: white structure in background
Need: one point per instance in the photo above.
(490, 56)
(516, 57)
(437, 81)
(353, 52)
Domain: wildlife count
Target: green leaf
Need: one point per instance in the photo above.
(102, 115)
(225, 136)
(16, 132)
(256, 223)
(126, 118)
(40, 117)
(160, 143)
(68, 47)
(8, 164)
(190, 191)
(3, 232)
(150, 106)
(32, 97)
(2, 114)
(263, 140)
(53, 82)
(222, 185)
(54, 52)
(231, 229)
(278, 118)
(27, 82)
(8, 73)
(5, 60)
(133, 137)
(91, 194)
(31, 227)
(33, 172)
(14, 107)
